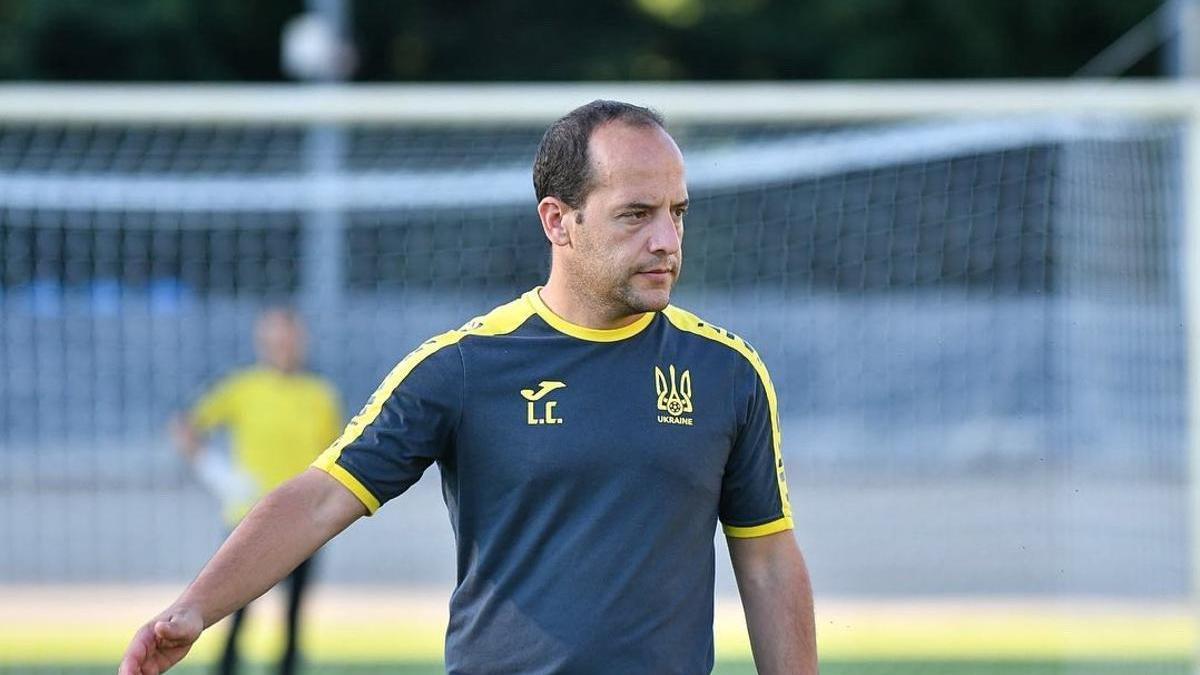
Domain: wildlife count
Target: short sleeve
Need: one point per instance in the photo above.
(218, 406)
(754, 499)
(406, 425)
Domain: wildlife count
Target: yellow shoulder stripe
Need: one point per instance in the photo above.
(500, 321)
(686, 321)
(327, 461)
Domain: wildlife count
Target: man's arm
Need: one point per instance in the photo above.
(777, 598)
(282, 531)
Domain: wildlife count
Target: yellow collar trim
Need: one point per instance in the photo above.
(582, 332)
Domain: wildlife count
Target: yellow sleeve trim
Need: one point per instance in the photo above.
(784, 523)
(686, 321)
(347, 479)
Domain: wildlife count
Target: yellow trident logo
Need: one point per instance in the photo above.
(673, 398)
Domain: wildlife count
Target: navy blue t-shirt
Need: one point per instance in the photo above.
(584, 471)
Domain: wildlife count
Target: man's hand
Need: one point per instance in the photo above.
(187, 439)
(284, 529)
(162, 642)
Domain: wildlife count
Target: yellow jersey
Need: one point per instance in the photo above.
(279, 422)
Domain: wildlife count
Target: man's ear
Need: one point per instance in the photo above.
(554, 213)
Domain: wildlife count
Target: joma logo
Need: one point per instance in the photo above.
(533, 397)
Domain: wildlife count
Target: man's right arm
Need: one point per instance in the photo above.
(282, 531)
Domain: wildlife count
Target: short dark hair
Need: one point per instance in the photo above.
(562, 167)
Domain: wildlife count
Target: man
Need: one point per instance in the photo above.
(589, 437)
(280, 419)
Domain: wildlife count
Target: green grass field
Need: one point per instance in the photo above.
(725, 668)
(73, 630)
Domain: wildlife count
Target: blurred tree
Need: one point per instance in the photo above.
(142, 39)
(573, 39)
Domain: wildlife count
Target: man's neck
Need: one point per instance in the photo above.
(568, 304)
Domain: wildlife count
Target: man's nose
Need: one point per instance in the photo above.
(665, 235)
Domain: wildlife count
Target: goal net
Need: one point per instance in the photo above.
(975, 323)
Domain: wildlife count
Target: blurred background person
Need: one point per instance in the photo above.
(280, 418)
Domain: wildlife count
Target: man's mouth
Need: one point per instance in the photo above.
(663, 267)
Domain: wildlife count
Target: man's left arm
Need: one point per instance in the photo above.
(777, 598)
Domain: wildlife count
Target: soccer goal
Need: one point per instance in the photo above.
(980, 305)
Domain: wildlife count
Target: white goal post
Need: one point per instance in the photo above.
(446, 104)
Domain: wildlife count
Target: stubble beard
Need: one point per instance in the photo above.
(617, 300)
(633, 302)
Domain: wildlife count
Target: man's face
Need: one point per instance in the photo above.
(280, 341)
(627, 251)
